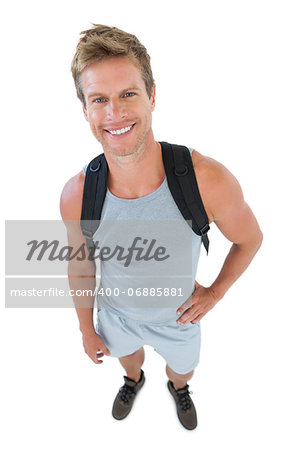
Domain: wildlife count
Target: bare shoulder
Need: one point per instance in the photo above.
(224, 201)
(71, 198)
(220, 191)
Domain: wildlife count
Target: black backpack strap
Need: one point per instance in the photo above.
(181, 181)
(184, 188)
(93, 197)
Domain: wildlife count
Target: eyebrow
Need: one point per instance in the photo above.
(99, 94)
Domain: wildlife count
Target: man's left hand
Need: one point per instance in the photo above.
(201, 301)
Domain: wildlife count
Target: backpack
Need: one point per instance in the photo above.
(181, 180)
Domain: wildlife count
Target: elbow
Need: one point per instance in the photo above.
(260, 239)
(252, 244)
(86, 269)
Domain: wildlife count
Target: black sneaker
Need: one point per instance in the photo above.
(186, 411)
(126, 396)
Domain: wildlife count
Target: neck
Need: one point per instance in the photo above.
(137, 175)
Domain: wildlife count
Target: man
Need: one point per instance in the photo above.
(114, 82)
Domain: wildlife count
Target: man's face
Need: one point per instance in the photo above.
(118, 107)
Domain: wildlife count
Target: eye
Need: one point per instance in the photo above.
(100, 100)
(129, 94)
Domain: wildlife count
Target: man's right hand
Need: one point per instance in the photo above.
(94, 347)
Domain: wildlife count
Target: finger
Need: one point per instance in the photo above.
(105, 351)
(97, 358)
(186, 305)
(198, 318)
(188, 317)
(99, 355)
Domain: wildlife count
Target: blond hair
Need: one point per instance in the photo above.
(102, 42)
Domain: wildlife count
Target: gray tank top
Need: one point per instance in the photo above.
(125, 284)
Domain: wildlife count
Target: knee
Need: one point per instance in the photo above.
(186, 376)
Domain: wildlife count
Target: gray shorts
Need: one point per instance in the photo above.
(178, 344)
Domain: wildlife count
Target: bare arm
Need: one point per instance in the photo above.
(225, 205)
(81, 274)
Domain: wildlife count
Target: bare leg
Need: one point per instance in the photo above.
(178, 380)
(133, 363)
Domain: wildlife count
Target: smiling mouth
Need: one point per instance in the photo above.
(120, 131)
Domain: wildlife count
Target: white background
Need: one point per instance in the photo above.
(227, 75)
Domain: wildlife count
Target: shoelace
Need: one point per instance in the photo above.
(184, 400)
(126, 392)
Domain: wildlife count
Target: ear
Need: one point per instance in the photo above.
(85, 112)
(152, 98)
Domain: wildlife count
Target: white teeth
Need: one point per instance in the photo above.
(121, 131)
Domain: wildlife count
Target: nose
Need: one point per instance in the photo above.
(115, 110)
